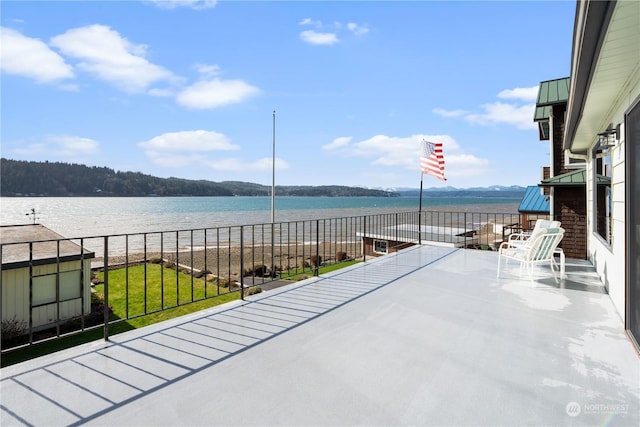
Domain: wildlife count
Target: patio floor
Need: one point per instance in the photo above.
(427, 336)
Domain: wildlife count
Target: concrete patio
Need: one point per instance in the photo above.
(427, 336)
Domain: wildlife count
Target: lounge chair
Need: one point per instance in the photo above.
(537, 249)
(541, 224)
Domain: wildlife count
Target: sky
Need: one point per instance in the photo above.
(347, 90)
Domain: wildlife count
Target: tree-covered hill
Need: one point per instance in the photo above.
(26, 178)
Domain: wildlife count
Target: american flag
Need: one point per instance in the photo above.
(432, 160)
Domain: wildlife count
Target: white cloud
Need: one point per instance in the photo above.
(464, 165)
(317, 38)
(111, 57)
(309, 21)
(194, 4)
(237, 165)
(62, 147)
(208, 70)
(357, 29)
(449, 113)
(404, 153)
(513, 113)
(189, 141)
(498, 112)
(329, 37)
(185, 148)
(163, 93)
(32, 58)
(340, 142)
(215, 93)
(523, 93)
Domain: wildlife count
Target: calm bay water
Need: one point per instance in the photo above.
(97, 216)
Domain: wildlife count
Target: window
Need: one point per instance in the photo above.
(44, 287)
(603, 193)
(380, 246)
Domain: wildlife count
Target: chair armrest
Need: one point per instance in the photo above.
(519, 236)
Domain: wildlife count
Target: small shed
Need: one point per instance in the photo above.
(45, 278)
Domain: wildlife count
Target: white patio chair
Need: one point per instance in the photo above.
(541, 224)
(538, 249)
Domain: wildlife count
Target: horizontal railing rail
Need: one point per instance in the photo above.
(54, 288)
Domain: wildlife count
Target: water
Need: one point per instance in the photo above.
(98, 216)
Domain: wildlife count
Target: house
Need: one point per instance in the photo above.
(49, 273)
(602, 130)
(567, 193)
(394, 238)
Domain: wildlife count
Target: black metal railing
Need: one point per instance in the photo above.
(53, 288)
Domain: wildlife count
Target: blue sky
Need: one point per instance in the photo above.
(188, 88)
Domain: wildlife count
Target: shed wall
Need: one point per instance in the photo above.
(15, 295)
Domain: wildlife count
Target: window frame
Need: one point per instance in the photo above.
(603, 201)
(376, 246)
(44, 287)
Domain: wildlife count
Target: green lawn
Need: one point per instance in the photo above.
(144, 304)
(148, 288)
(322, 270)
(185, 292)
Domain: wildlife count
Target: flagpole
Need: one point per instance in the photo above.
(273, 198)
(420, 212)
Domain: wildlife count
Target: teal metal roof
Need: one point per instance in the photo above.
(574, 178)
(542, 113)
(553, 92)
(534, 201)
(550, 92)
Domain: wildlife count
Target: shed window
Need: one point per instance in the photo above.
(44, 287)
(380, 246)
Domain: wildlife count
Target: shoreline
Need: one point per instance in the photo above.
(228, 263)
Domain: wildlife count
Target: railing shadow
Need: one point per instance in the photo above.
(80, 388)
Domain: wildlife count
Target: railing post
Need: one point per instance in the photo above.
(1, 311)
(420, 227)
(364, 238)
(105, 307)
(316, 263)
(30, 292)
(396, 228)
(242, 263)
(466, 234)
(58, 288)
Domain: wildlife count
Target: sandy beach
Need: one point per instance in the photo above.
(229, 262)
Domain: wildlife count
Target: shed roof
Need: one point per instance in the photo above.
(37, 243)
(534, 201)
(574, 178)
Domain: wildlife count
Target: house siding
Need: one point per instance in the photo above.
(610, 259)
(568, 203)
(570, 209)
(558, 117)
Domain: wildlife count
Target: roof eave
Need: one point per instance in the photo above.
(590, 27)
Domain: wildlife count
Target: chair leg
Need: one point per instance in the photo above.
(553, 270)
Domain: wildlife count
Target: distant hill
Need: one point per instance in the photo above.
(24, 178)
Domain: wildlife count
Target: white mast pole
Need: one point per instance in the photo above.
(273, 198)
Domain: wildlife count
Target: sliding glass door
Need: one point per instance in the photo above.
(632, 138)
